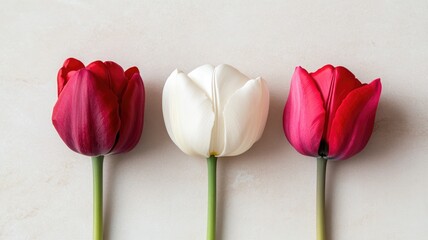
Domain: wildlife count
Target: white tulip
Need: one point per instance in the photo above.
(214, 110)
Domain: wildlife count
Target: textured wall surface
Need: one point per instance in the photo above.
(156, 192)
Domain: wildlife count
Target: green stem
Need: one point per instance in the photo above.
(321, 169)
(97, 170)
(212, 165)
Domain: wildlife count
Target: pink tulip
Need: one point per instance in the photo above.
(100, 107)
(330, 113)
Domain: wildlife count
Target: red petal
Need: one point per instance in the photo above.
(118, 80)
(335, 84)
(304, 114)
(131, 115)
(111, 73)
(353, 124)
(130, 72)
(86, 115)
(70, 66)
(99, 70)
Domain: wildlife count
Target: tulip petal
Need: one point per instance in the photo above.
(203, 77)
(227, 80)
(304, 114)
(166, 99)
(188, 114)
(99, 70)
(334, 84)
(245, 116)
(70, 66)
(112, 74)
(354, 121)
(129, 73)
(131, 115)
(86, 115)
(323, 78)
(118, 81)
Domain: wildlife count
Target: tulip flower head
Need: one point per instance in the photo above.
(214, 110)
(100, 107)
(330, 113)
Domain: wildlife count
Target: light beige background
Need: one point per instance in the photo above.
(156, 192)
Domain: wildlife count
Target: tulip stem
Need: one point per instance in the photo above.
(321, 170)
(97, 170)
(211, 226)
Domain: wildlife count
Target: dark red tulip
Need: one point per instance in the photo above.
(100, 107)
(330, 113)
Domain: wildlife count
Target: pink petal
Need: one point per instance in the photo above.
(354, 120)
(70, 66)
(131, 115)
(304, 114)
(335, 84)
(86, 115)
(323, 78)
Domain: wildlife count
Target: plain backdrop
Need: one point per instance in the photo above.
(156, 192)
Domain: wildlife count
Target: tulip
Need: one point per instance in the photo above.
(99, 111)
(100, 107)
(214, 112)
(329, 114)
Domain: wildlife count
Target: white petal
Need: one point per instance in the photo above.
(227, 80)
(166, 99)
(203, 77)
(188, 114)
(245, 116)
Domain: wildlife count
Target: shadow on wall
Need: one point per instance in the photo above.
(390, 126)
